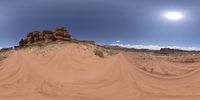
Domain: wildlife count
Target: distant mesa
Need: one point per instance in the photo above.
(60, 34)
(6, 49)
(169, 50)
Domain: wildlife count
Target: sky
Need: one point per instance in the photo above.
(120, 22)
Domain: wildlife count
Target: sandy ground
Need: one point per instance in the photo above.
(73, 72)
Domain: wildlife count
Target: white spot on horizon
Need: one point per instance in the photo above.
(118, 41)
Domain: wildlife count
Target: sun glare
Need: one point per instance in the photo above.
(174, 16)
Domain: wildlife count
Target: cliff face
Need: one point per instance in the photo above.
(60, 33)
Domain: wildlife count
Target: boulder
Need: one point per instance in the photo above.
(61, 33)
(48, 35)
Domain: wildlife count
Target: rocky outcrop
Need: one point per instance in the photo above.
(46, 36)
(60, 33)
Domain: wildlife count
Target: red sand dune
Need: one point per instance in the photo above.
(73, 72)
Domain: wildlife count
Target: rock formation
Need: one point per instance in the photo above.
(60, 33)
(46, 36)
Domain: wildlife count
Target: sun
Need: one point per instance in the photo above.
(174, 16)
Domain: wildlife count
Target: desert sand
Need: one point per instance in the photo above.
(72, 71)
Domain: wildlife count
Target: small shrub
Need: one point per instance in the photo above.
(2, 57)
(99, 53)
(111, 52)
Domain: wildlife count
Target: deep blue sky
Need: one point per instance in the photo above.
(137, 22)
